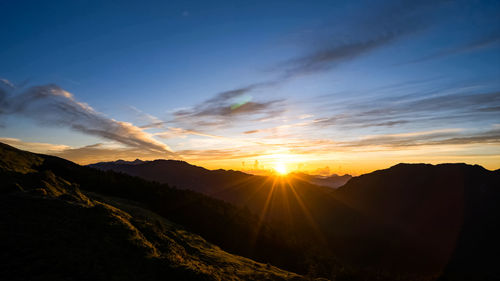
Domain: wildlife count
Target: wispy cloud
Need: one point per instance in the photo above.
(413, 109)
(489, 41)
(179, 132)
(383, 25)
(386, 23)
(217, 154)
(439, 137)
(230, 105)
(52, 106)
(38, 147)
(149, 120)
(101, 152)
(86, 154)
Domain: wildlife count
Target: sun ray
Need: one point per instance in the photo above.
(263, 213)
(308, 215)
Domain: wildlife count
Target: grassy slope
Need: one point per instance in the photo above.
(50, 230)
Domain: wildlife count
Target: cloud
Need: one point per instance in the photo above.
(149, 120)
(218, 154)
(37, 147)
(326, 58)
(7, 83)
(87, 154)
(490, 136)
(179, 132)
(427, 138)
(417, 108)
(322, 171)
(52, 106)
(384, 24)
(385, 124)
(101, 152)
(281, 128)
(403, 139)
(230, 105)
(491, 40)
(396, 142)
(381, 26)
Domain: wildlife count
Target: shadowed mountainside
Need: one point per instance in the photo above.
(177, 173)
(75, 237)
(419, 218)
(56, 227)
(451, 211)
(185, 175)
(408, 222)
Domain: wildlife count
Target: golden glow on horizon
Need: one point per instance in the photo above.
(261, 161)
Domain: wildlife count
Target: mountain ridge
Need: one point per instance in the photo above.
(407, 222)
(421, 204)
(57, 215)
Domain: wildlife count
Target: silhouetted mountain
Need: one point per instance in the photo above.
(237, 187)
(450, 212)
(59, 221)
(333, 181)
(410, 218)
(200, 179)
(135, 162)
(177, 173)
(408, 222)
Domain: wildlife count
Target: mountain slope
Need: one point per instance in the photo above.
(451, 212)
(408, 222)
(64, 237)
(51, 229)
(177, 173)
(285, 197)
(417, 218)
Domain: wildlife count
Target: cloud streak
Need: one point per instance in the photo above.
(426, 138)
(489, 41)
(228, 106)
(327, 58)
(38, 147)
(382, 26)
(52, 106)
(414, 109)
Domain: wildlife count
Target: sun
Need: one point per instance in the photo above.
(280, 168)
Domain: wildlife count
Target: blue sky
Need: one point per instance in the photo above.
(223, 83)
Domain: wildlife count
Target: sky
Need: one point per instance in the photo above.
(317, 86)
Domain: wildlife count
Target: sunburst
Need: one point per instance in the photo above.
(280, 168)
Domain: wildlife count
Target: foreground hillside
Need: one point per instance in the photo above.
(53, 230)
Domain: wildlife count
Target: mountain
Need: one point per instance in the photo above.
(428, 220)
(174, 172)
(177, 173)
(451, 212)
(285, 197)
(292, 203)
(333, 181)
(61, 221)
